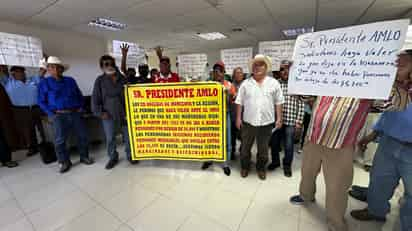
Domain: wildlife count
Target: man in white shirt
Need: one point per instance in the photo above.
(260, 98)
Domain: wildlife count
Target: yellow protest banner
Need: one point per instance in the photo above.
(177, 121)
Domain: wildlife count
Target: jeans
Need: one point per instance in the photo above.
(110, 130)
(63, 124)
(392, 162)
(286, 134)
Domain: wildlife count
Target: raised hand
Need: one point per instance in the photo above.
(125, 48)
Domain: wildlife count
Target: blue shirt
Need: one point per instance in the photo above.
(22, 93)
(397, 125)
(4, 80)
(63, 94)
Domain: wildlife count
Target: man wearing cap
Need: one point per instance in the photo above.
(109, 104)
(260, 99)
(165, 75)
(62, 100)
(293, 112)
(23, 95)
(219, 76)
(393, 158)
(333, 134)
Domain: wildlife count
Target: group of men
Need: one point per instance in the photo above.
(261, 110)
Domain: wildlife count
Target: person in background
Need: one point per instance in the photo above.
(61, 99)
(153, 74)
(238, 77)
(130, 75)
(165, 75)
(219, 73)
(41, 73)
(260, 99)
(293, 112)
(276, 74)
(4, 74)
(306, 121)
(393, 159)
(23, 94)
(9, 139)
(109, 104)
(332, 139)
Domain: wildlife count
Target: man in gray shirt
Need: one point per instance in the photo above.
(109, 104)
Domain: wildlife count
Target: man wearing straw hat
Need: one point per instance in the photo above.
(62, 100)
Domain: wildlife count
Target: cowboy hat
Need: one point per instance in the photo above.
(56, 61)
(261, 58)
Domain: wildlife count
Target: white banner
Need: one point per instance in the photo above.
(135, 56)
(192, 66)
(356, 61)
(238, 57)
(277, 51)
(20, 50)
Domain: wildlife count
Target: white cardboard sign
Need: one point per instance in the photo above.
(20, 50)
(192, 66)
(277, 51)
(135, 56)
(238, 57)
(356, 61)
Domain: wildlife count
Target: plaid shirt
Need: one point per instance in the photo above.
(293, 107)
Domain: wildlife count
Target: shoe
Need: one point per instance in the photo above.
(298, 200)
(262, 175)
(358, 195)
(133, 162)
(65, 166)
(364, 215)
(206, 165)
(287, 171)
(273, 166)
(244, 173)
(111, 163)
(367, 168)
(227, 171)
(32, 152)
(359, 188)
(10, 164)
(87, 161)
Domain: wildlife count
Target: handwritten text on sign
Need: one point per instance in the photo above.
(182, 121)
(192, 66)
(135, 56)
(20, 50)
(355, 62)
(238, 57)
(277, 51)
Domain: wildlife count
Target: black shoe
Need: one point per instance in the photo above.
(65, 166)
(112, 163)
(133, 162)
(364, 215)
(206, 165)
(227, 171)
(287, 171)
(273, 166)
(10, 164)
(87, 161)
(367, 168)
(358, 195)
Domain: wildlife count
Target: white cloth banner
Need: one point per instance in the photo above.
(135, 56)
(20, 50)
(192, 66)
(238, 57)
(356, 61)
(277, 51)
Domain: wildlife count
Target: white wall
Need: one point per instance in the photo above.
(81, 52)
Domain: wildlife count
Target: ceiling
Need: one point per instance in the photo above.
(174, 23)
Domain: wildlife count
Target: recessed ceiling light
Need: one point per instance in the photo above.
(297, 31)
(211, 36)
(107, 24)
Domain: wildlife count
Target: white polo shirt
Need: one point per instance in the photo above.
(259, 101)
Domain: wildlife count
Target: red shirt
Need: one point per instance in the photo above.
(171, 78)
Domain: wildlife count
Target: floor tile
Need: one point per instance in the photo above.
(9, 213)
(129, 203)
(94, 219)
(5, 195)
(201, 223)
(164, 214)
(21, 225)
(61, 212)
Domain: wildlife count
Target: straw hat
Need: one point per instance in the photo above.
(261, 58)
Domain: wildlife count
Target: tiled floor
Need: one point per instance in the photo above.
(156, 196)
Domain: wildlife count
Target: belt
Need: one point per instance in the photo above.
(66, 111)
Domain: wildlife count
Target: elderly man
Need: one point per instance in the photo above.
(259, 98)
(393, 158)
(332, 138)
(108, 103)
(293, 113)
(62, 100)
(23, 95)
